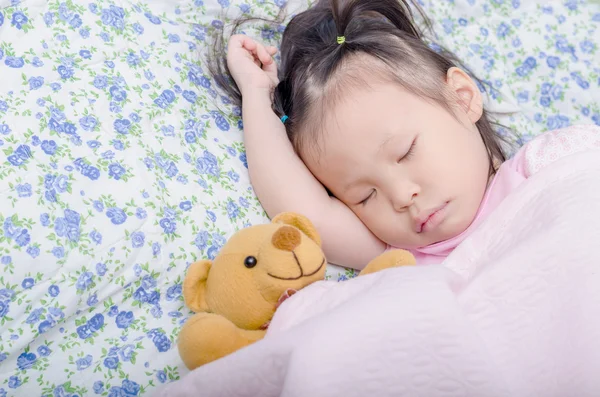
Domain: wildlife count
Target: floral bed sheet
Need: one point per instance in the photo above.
(121, 163)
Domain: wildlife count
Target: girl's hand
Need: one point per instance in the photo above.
(251, 64)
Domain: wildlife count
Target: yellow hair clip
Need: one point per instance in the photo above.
(341, 39)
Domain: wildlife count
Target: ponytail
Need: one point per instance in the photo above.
(397, 13)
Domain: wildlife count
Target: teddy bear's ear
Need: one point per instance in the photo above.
(194, 285)
(301, 222)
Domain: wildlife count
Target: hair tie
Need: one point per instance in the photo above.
(284, 118)
(341, 40)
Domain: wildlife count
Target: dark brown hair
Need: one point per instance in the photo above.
(381, 37)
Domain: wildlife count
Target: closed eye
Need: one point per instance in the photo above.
(410, 152)
(363, 202)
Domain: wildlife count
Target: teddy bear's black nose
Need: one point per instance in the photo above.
(286, 238)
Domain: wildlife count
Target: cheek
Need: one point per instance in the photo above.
(475, 170)
(467, 148)
(480, 159)
(456, 162)
(438, 160)
(375, 216)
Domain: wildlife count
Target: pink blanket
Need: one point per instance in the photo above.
(513, 311)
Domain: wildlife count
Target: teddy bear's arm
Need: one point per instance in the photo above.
(207, 337)
(392, 258)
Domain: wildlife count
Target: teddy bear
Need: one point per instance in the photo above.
(236, 295)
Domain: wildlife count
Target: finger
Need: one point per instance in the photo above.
(249, 44)
(271, 71)
(241, 41)
(237, 41)
(263, 55)
(272, 50)
(270, 68)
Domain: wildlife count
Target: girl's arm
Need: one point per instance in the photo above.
(280, 179)
(283, 183)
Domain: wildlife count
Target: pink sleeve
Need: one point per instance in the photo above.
(554, 145)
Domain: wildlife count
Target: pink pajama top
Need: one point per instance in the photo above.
(533, 156)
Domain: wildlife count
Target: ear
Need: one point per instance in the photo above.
(194, 285)
(466, 93)
(301, 222)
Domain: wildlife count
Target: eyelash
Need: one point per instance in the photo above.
(410, 152)
(368, 198)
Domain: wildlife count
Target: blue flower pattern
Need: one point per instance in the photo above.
(538, 63)
(118, 171)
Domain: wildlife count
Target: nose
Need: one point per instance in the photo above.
(404, 196)
(286, 238)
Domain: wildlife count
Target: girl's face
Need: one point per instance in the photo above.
(414, 173)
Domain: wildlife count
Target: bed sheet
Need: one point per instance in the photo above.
(118, 169)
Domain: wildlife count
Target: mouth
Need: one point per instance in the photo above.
(427, 220)
(301, 271)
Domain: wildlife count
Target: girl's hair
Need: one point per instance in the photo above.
(380, 39)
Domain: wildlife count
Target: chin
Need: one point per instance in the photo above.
(447, 232)
(435, 240)
(453, 229)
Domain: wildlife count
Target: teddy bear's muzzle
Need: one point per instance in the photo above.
(302, 274)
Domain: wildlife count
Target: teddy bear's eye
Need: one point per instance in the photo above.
(250, 262)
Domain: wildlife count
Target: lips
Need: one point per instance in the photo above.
(425, 216)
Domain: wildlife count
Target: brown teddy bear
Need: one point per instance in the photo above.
(236, 296)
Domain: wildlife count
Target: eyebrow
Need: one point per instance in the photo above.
(385, 142)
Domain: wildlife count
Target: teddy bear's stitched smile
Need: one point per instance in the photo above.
(301, 271)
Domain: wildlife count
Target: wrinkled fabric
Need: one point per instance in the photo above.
(513, 311)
